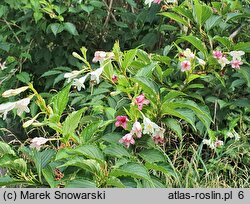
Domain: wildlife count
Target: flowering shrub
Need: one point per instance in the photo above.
(137, 119)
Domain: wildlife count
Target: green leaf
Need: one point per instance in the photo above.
(224, 41)
(146, 71)
(51, 72)
(88, 164)
(80, 183)
(9, 162)
(56, 28)
(128, 58)
(245, 72)
(48, 174)
(115, 150)
(201, 12)
(91, 152)
(71, 123)
(243, 46)
(148, 85)
(196, 42)
(152, 156)
(175, 17)
(70, 27)
(23, 77)
(212, 22)
(5, 46)
(173, 95)
(173, 125)
(89, 131)
(133, 170)
(6, 149)
(60, 100)
(162, 167)
(115, 182)
(8, 181)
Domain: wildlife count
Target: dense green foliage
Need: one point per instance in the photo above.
(181, 111)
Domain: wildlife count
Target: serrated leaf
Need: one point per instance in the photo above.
(80, 183)
(152, 155)
(173, 125)
(116, 151)
(133, 170)
(91, 152)
(175, 17)
(60, 100)
(6, 149)
(71, 123)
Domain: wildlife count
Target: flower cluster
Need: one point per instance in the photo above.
(21, 105)
(187, 58)
(213, 145)
(100, 56)
(151, 128)
(222, 59)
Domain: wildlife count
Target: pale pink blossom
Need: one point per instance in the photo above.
(127, 140)
(185, 65)
(121, 121)
(99, 56)
(236, 63)
(22, 106)
(223, 61)
(140, 101)
(157, 1)
(158, 135)
(158, 140)
(137, 129)
(217, 54)
(189, 54)
(37, 142)
(218, 143)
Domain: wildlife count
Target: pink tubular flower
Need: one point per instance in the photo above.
(114, 78)
(127, 140)
(99, 56)
(137, 129)
(236, 63)
(140, 101)
(158, 139)
(157, 1)
(37, 142)
(158, 136)
(217, 54)
(185, 66)
(121, 121)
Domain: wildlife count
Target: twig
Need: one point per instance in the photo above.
(8, 24)
(109, 7)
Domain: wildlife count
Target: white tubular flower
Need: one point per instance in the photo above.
(201, 61)
(236, 54)
(72, 75)
(95, 75)
(79, 83)
(13, 92)
(37, 142)
(149, 2)
(223, 61)
(5, 108)
(149, 126)
(189, 54)
(22, 106)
